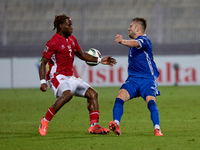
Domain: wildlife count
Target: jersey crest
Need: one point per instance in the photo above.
(46, 48)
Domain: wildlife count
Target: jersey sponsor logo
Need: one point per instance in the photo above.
(63, 46)
(69, 46)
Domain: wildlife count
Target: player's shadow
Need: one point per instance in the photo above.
(9, 135)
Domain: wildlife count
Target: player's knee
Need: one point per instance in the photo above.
(123, 94)
(152, 106)
(91, 94)
(94, 95)
(149, 98)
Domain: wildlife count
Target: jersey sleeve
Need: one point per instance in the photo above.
(78, 48)
(142, 42)
(49, 50)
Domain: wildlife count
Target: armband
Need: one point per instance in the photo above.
(43, 81)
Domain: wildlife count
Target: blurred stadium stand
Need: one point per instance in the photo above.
(172, 25)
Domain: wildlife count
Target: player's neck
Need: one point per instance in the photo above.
(63, 35)
(139, 34)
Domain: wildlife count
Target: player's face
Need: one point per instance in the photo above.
(67, 28)
(132, 30)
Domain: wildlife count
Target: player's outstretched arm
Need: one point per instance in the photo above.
(85, 56)
(108, 61)
(129, 43)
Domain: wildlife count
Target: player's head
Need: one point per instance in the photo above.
(63, 24)
(137, 27)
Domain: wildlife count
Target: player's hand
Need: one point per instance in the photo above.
(118, 38)
(108, 61)
(43, 87)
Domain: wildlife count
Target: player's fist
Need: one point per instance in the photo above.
(43, 87)
(118, 38)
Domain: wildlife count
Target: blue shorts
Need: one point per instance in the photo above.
(141, 87)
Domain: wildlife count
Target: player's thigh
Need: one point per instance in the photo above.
(91, 93)
(63, 87)
(59, 89)
(68, 84)
(128, 91)
(123, 94)
(148, 90)
(84, 89)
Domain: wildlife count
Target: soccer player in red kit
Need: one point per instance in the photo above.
(59, 54)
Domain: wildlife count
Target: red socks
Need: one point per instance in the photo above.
(94, 117)
(49, 115)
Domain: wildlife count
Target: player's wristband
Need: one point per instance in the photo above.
(42, 81)
(99, 60)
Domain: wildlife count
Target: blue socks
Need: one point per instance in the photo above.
(154, 114)
(118, 110)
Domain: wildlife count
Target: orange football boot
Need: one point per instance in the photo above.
(43, 127)
(97, 129)
(115, 128)
(157, 132)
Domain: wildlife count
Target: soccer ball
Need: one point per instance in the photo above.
(94, 52)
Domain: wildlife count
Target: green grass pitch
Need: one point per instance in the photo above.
(22, 109)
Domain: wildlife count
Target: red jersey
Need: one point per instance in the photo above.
(60, 51)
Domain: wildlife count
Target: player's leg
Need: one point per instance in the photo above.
(122, 97)
(61, 101)
(118, 109)
(92, 105)
(127, 91)
(148, 91)
(85, 90)
(64, 95)
(151, 104)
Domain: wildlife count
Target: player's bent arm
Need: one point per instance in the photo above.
(130, 43)
(86, 57)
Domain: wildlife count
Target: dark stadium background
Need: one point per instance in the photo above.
(26, 25)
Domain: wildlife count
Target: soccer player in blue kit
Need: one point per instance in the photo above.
(142, 75)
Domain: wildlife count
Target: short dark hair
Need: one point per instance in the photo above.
(59, 20)
(142, 22)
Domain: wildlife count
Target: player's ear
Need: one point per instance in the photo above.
(60, 26)
(138, 29)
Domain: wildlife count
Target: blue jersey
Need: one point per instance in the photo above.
(140, 59)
